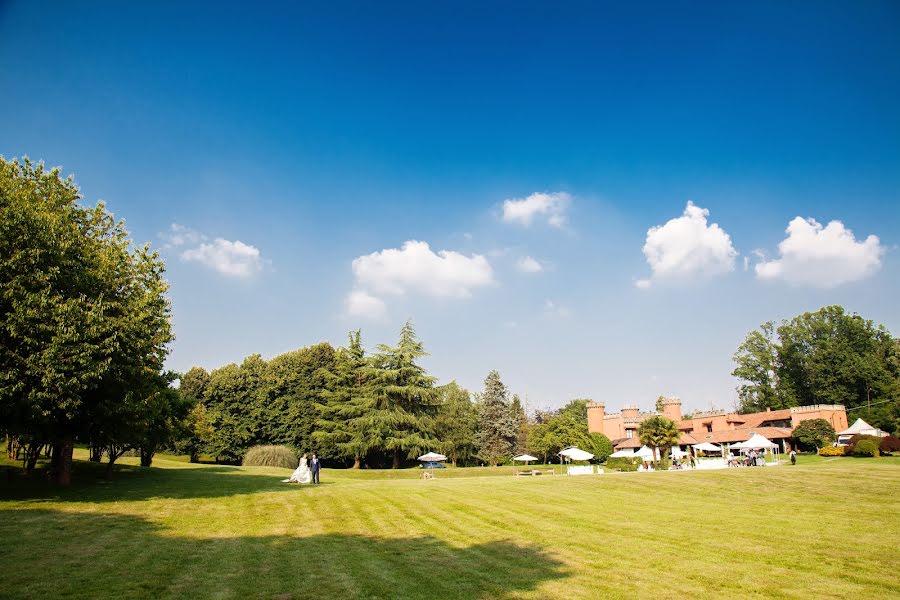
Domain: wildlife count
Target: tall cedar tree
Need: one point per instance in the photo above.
(339, 432)
(497, 429)
(400, 400)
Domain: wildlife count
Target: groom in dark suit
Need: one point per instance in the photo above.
(314, 467)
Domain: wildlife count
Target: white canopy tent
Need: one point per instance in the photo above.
(678, 452)
(525, 458)
(859, 427)
(758, 442)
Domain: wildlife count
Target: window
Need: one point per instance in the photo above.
(629, 433)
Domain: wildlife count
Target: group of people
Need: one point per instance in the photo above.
(753, 459)
(307, 471)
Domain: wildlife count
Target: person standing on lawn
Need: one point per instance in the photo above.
(793, 457)
(314, 467)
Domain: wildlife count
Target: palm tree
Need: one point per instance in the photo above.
(660, 433)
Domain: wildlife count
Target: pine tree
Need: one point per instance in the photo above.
(497, 429)
(339, 429)
(396, 410)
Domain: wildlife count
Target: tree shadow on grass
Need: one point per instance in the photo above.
(131, 483)
(114, 556)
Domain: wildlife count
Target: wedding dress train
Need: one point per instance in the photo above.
(301, 474)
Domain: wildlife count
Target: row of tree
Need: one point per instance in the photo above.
(356, 409)
(822, 357)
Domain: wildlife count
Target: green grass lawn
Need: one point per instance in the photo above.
(821, 529)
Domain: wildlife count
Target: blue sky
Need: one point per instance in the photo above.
(317, 135)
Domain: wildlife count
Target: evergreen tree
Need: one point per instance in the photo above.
(497, 428)
(399, 402)
(339, 432)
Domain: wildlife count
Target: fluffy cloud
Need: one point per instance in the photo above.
(234, 259)
(822, 257)
(526, 264)
(360, 303)
(549, 205)
(687, 247)
(415, 268)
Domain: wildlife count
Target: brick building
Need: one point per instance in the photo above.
(718, 427)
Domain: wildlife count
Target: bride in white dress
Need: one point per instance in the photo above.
(301, 473)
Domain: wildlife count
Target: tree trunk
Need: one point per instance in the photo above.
(32, 452)
(195, 456)
(109, 464)
(147, 456)
(396, 464)
(12, 448)
(96, 453)
(61, 460)
(357, 462)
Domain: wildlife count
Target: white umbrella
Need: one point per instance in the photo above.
(525, 458)
(678, 452)
(646, 453)
(707, 447)
(622, 453)
(576, 454)
(432, 457)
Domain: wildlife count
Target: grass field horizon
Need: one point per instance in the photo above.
(824, 528)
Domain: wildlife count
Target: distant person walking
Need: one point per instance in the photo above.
(793, 457)
(314, 467)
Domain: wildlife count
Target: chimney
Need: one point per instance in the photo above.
(595, 413)
(672, 409)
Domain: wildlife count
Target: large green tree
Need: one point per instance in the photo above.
(497, 426)
(396, 412)
(456, 423)
(84, 318)
(821, 357)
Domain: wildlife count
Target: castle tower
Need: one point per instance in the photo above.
(595, 413)
(630, 410)
(672, 409)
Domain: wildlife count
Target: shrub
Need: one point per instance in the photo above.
(865, 448)
(271, 456)
(831, 451)
(624, 463)
(853, 441)
(889, 444)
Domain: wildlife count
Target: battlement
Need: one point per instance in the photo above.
(817, 407)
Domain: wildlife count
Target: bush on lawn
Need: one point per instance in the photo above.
(850, 449)
(866, 448)
(271, 456)
(889, 444)
(624, 463)
(831, 451)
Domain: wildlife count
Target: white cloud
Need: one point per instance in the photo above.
(552, 309)
(234, 259)
(687, 247)
(415, 268)
(823, 257)
(360, 303)
(527, 264)
(179, 235)
(549, 205)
